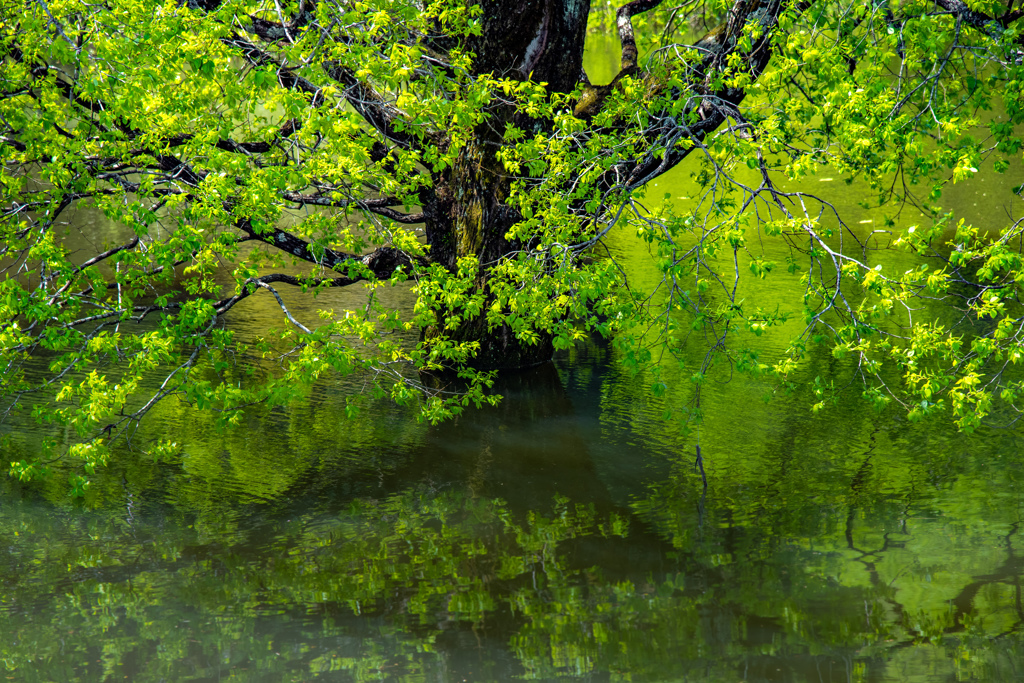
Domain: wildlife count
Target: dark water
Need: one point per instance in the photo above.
(561, 535)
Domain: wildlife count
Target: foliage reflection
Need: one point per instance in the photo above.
(527, 540)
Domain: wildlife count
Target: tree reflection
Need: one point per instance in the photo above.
(524, 541)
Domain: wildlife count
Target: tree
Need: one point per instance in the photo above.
(458, 152)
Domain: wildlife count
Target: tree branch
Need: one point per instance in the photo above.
(377, 111)
(990, 26)
(624, 21)
(363, 98)
(287, 242)
(377, 206)
(382, 264)
(706, 110)
(275, 31)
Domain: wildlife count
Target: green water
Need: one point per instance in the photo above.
(561, 535)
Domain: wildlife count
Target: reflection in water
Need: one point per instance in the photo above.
(560, 534)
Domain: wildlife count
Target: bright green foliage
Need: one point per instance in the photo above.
(899, 101)
(170, 169)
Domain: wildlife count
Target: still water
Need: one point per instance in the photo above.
(561, 535)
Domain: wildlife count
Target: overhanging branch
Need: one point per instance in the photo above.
(381, 263)
(707, 109)
(380, 206)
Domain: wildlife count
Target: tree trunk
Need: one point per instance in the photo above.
(467, 214)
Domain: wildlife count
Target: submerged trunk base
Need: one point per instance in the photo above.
(501, 350)
(505, 352)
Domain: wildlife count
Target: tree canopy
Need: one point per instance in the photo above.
(168, 165)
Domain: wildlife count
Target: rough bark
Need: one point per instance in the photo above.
(467, 213)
